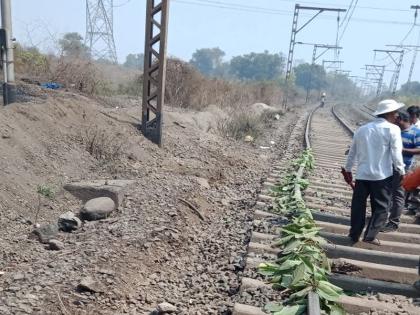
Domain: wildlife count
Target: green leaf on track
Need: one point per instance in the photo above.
(292, 246)
(298, 274)
(292, 310)
(302, 293)
(273, 307)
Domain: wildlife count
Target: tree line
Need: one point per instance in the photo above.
(253, 66)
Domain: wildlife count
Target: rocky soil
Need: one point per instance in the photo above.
(180, 235)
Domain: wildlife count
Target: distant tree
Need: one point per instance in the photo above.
(411, 88)
(310, 76)
(72, 45)
(134, 61)
(257, 66)
(340, 86)
(208, 60)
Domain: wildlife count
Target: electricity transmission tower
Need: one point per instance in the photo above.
(100, 30)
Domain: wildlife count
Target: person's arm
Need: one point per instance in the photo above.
(411, 151)
(351, 157)
(396, 150)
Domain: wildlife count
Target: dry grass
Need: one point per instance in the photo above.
(187, 88)
(102, 145)
(241, 124)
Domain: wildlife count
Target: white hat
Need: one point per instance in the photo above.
(387, 106)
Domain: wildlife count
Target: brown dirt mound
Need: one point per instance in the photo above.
(152, 249)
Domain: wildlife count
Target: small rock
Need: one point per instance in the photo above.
(203, 182)
(55, 245)
(166, 308)
(97, 209)
(18, 276)
(68, 222)
(46, 232)
(90, 285)
(249, 138)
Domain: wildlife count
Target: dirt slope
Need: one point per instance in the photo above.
(154, 248)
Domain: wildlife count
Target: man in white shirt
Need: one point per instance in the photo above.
(376, 147)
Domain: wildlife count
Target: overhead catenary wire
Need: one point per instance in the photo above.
(347, 14)
(121, 4)
(308, 3)
(261, 10)
(410, 30)
(348, 20)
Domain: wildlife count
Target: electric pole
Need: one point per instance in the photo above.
(398, 63)
(376, 73)
(315, 57)
(154, 69)
(100, 29)
(6, 42)
(295, 31)
(411, 48)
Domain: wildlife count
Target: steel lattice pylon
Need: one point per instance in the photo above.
(100, 30)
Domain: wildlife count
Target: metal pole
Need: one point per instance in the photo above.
(154, 69)
(9, 86)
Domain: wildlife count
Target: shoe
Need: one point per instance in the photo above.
(389, 227)
(353, 239)
(375, 241)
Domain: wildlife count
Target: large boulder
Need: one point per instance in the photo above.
(86, 190)
(97, 209)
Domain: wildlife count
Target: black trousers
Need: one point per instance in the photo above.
(398, 199)
(380, 192)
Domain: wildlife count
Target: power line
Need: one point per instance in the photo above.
(347, 13)
(281, 12)
(121, 4)
(316, 3)
(348, 20)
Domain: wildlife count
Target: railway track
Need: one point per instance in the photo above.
(378, 279)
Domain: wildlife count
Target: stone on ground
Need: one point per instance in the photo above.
(46, 232)
(55, 245)
(166, 308)
(97, 209)
(86, 190)
(88, 284)
(68, 222)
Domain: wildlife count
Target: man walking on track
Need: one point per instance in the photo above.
(376, 147)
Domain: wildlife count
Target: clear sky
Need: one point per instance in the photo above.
(237, 30)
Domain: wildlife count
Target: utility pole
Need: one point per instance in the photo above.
(398, 63)
(376, 73)
(414, 49)
(154, 69)
(295, 31)
(100, 29)
(413, 61)
(315, 57)
(6, 42)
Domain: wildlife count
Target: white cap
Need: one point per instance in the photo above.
(387, 106)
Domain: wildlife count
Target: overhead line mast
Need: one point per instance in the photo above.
(295, 31)
(398, 63)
